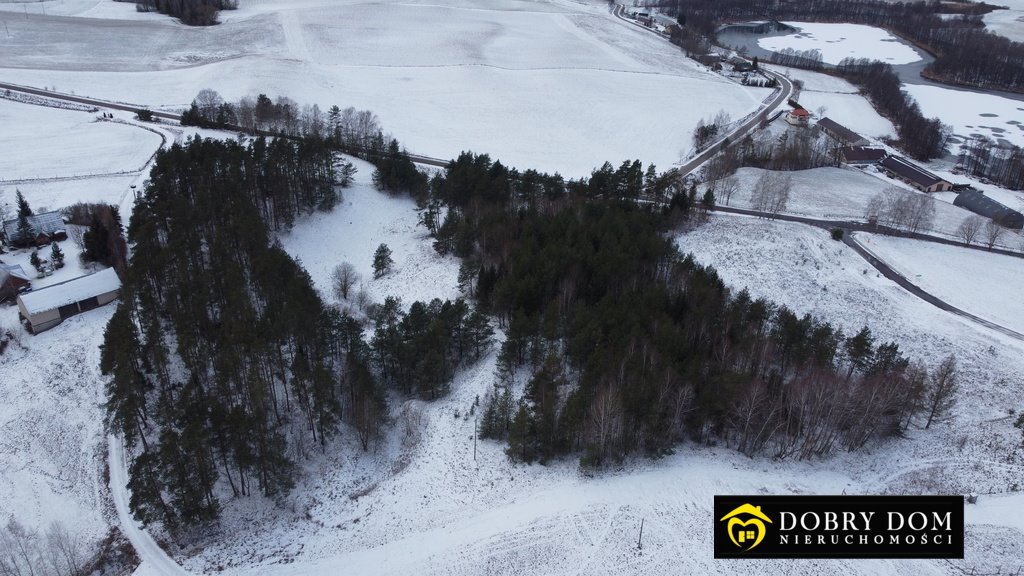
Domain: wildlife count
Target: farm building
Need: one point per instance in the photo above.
(923, 180)
(841, 133)
(977, 202)
(46, 228)
(798, 117)
(861, 155)
(45, 308)
(12, 279)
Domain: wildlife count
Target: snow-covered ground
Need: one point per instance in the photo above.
(1009, 23)
(840, 194)
(969, 113)
(839, 41)
(42, 142)
(351, 233)
(424, 505)
(984, 284)
(51, 419)
(555, 85)
(828, 96)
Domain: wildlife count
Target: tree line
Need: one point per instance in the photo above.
(355, 132)
(923, 138)
(620, 344)
(1002, 164)
(191, 12)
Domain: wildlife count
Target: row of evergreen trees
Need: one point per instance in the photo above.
(626, 346)
(225, 363)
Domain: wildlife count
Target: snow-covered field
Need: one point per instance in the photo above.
(840, 194)
(42, 142)
(984, 284)
(839, 41)
(835, 98)
(351, 233)
(555, 85)
(969, 113)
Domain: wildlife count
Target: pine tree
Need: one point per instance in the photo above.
(56, 256)
(35, 261)
(382, 261)
(25, 233)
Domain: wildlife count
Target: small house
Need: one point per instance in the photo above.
(910, 173)
(12, 279)
(841, 133)
(45, 228)
(45, 308)
(798, 117)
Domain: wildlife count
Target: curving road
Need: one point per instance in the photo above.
(735, 136)
(148, 550)
(850, 240)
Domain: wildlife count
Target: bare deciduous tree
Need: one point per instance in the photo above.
(343, 278)
(920, 212)
(208, 101)
(727, 187)
(969, 228)
(941, 392)
(992, 232)
(771, 194)
(605, 419)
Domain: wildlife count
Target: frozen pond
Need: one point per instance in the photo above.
(839, 41)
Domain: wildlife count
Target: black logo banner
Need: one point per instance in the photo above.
(839, 526)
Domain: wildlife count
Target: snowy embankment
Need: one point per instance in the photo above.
(981, 283)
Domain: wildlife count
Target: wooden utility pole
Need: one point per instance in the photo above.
(474, 437)
(640, 540)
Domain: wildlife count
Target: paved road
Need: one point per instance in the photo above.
(735, 136)
(850, 240)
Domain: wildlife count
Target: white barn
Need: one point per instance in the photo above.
(47, 307)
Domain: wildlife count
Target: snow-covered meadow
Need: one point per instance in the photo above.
(558, 86)
(839, 41)
(42, 143)
(979, 282)
(840, 194)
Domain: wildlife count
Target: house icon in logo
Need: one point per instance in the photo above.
(749, 532)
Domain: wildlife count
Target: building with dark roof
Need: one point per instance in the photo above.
(12, 279)
(923, 180)
(46, 227)
(860, 155)
(841, 133)
(977, 202)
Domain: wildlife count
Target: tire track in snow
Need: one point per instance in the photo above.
(148, 550)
